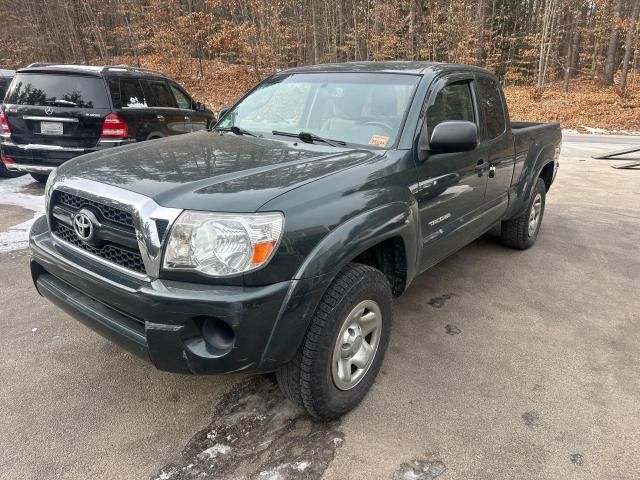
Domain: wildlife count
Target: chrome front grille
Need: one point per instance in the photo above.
(122, 256)
(107, 212)
(116, 240)
(130, 228)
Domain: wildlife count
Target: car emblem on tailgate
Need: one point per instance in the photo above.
(48, 110)
(83, 227)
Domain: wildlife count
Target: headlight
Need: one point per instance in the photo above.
(222, 244)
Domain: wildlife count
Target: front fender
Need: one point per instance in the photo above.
(325, 261)
(360, 233)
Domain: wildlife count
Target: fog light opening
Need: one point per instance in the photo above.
(218, 334)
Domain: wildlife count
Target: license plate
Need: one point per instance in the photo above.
(51, 128)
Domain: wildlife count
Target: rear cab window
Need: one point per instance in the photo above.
(490, 101)
(61, 90)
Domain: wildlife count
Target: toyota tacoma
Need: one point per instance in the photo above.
(277, 241)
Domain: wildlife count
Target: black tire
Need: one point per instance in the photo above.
(308, 381)
(154, 136)
(5, 173)
(515, 232)
(40, 177)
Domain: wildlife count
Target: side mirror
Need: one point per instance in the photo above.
(454, 136)
(200, 107)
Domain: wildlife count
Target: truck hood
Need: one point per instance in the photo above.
(212, 171)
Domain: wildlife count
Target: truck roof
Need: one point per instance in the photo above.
(94, 70)
(406, 67)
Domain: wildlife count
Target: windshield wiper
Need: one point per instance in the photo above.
(309, 138)
(237, 130)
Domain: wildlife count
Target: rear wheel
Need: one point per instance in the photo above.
(521, 232)
(40, 177)
(6, 173)
(154, 136)
(344, 346)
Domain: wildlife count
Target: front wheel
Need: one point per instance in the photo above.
(344, 345)
(521, 232)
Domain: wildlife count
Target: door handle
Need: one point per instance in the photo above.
(481, 166)
(186, 117)
(160, 117)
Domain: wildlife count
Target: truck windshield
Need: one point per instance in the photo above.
(358, 108)
(57, 90)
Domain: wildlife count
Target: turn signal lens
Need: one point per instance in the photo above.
(261, 252)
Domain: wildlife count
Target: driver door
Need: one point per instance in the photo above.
(451, 186)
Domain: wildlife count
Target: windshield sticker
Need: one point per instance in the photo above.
(379, 140)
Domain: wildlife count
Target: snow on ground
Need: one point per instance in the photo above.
(12, 193)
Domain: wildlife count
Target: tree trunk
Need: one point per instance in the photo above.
(480, 34)
(612, 48)
(573, 50)
(628, 45)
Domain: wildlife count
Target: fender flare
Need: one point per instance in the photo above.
(330, 255)
(544, 157)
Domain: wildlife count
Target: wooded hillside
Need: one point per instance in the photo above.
(537, 47)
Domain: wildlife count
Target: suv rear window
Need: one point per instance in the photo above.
(58, 90)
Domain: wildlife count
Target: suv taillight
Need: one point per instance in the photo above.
(5, 131)
(114, 127)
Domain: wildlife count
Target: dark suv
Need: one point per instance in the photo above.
(53, 113)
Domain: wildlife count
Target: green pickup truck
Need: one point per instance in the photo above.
(277, 241)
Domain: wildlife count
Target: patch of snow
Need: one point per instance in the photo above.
(34, 330)
(569, 131)
(17, 237)
(217, 449)
(595, 130)
(164, 476)
(301, 466)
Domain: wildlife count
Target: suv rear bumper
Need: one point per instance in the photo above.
(36, 158)
(164, 321)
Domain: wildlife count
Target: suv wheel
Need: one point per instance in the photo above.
(4, 172)
(344, 346)
(40, 177)
(521, 232)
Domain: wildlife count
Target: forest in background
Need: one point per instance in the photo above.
(574, 61)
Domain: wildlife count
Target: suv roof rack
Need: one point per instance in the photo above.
(41, 64)
(129, 68)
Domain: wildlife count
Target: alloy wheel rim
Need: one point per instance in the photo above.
(356, 345)
(534, 214)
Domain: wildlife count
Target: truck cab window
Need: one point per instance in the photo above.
(492, 108)
(453, 102)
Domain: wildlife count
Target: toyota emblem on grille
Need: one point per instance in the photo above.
(83, 227)
(48, 111)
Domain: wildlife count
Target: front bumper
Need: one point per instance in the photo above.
(162, 321)
(43, 159)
